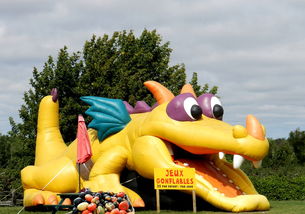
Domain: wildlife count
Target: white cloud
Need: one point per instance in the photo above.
(253, 50)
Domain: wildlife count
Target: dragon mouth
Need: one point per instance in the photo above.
(218, 176)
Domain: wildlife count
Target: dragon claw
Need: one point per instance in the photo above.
(52, 200)
(138, 203)
(38, 199)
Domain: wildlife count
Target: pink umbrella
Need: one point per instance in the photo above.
(84, 151)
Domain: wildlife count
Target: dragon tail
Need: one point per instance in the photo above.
(49, 142)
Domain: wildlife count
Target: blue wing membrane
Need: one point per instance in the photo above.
(109, 115)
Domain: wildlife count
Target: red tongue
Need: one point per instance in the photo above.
(213, 175)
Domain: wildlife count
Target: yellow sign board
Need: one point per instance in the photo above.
(174, 178)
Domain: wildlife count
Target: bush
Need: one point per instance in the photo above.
(297, 140)
(280, 154)
(280, 188)
(9, 179)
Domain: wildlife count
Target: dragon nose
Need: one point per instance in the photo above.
(255, 128)
(239, 131)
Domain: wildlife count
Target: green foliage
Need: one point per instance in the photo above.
(109, 66)
(281, 153)
(284, 187)
(201, 89)
(117, 67)
(297, 140)
(114, 67)
(280, 177)
(62, 75)
(5, 149)
(8, 179)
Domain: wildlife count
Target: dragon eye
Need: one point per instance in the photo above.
(217, 108)
(184, 107)
(211, 106)
(192, 108)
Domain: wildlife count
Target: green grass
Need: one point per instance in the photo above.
(277, 207)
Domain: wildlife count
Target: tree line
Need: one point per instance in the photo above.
(116, 67)
(108, 66)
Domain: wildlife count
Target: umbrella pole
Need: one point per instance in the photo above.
(79, 177)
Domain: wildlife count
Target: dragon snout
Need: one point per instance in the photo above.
(253, 128)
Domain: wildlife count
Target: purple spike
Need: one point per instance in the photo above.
(141, 106)
(129, 108)
(54, 94)
(154, 106)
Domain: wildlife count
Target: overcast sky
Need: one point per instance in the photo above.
(253, 50)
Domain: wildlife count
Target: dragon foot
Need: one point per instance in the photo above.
(35, 197)
(50, 176)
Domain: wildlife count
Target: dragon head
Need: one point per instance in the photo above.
(195, 135)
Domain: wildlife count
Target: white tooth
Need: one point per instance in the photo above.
(221, 155)
(257, 164)
(237, 161)
(185, 164)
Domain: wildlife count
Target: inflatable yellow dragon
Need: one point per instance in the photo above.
(148, 139)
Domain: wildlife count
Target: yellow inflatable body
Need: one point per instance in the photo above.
(149, 140)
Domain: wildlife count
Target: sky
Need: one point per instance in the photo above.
(254, 51)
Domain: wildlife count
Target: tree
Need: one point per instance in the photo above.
(63, 75)
(5, 150)
(280, 154)
(118, 66)
(114, 67)
(201, 89)
(297, 140)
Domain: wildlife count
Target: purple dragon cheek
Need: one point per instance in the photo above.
(175, 109)
(204, 102)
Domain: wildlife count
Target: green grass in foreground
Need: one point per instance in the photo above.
(277, 207)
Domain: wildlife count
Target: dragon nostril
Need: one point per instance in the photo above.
(239, 131)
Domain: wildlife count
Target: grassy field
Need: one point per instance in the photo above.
(277, 207)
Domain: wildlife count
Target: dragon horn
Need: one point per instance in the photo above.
(188, 88)
(161, 93)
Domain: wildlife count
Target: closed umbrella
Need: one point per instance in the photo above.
(84, 151)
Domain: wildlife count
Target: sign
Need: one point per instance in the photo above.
(174, 178)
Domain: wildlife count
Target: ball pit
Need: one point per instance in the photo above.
(89, 202)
